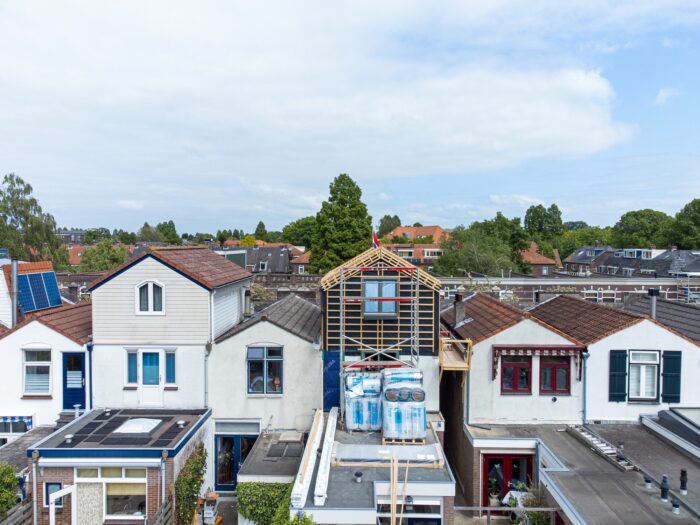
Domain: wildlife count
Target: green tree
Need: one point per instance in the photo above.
(168, 231)
(25, 229)
(94, 235)
(572, 239)
(543, 223)
(574, 225)
(248, 241)
(261, 231)
(124, 236)
(300, 232)
(508, 231)
(470, 250)
(343, 226)
(386, 224)
(148, 233)
(8, 489)
(684, 230)
(103, 257)
(417, 225)
(641, 228)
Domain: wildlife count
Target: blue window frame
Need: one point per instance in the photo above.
(264, 370)
(49, 488)
(170, 367)
(132, 367)
(151, 368)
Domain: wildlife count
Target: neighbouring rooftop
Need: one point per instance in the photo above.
(683, 317)
(276, 456)
(72, 320)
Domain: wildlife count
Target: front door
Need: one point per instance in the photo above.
(503, 473)
(73, 381)
(151, 394)
(231, 452)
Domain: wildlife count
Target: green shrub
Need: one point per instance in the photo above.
(188, 483)
(8, 489)
(268, 504)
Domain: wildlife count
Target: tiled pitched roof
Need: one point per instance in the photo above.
(26, 267)
(75, 254)
(682, 317)
(199, 263)
(294, 314)
(73, 321)
(583, 320)
(484, 316)
(304, 258)
(414, 232)
(532, 256)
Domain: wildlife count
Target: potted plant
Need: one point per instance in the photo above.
(494, 493)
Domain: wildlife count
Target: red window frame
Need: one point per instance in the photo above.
(564, 364)
(523, 363)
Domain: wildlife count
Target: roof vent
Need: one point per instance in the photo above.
(69, 438)
(358, 477)
(181, 423)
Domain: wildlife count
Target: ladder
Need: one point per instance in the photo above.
(601, 447)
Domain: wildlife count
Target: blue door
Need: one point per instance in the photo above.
(231, 452)
(73, 381)
(331, 380)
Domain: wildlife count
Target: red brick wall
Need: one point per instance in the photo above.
(60, 475)
(448, 511)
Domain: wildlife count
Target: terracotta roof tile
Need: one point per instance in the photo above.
(586, 321)
(73, 321)
(532, 256)
(304, 258)
(414, 232)
(484, 316)
(199, 263)
(26, 267)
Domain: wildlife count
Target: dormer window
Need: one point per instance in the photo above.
(149, 298)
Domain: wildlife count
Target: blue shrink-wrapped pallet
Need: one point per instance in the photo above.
(363, 401)
(403, 404)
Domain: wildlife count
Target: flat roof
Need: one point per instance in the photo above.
(99, 433)
(600, 492)
(275, 454)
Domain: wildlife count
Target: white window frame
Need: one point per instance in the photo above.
(162, 351)
(126, 367)
(642, 376)
(46, 493)
(26, 363)
(302, 270)
(262, 266)
(545, 270)
(105, 480)
(137, 303)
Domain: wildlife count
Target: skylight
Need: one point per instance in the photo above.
(139, 425)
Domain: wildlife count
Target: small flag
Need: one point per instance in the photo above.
(375, 241)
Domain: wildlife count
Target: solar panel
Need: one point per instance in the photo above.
(36, 283)
(25, 294)
(52, 288)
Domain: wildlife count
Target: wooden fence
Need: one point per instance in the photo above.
(165, 516)
(20, 514)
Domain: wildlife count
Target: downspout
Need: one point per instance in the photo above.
(162, 477)
(586, 355)
(89, 353)
(35, 511)
(207, 349)
(14, 290)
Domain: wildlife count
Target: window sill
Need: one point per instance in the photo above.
(170, 388)
(643, 402)
(516, 393)
(37, 396)
(256, 396)
(129, 387)
(555, 394)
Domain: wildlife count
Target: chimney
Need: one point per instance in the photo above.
(653, 294)
(458, 308)
(73, 294)
(14, 292)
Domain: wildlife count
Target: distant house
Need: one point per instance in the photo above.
(37, 287)
(300, 263)
(650, 262)
(541, 266)
(682, 317)
(44, 369)
(584, 261)
(75, 254)
(266, 259)
(72, 236)
(422, 255)
(413, 233)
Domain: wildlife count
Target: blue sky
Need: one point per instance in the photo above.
(219, 114)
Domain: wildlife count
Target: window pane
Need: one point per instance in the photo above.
(157, 298)
(111, 472)
(19, 426)
(635, 379)
(88, 473)
(41, 356)
(256, 352)
(388, 288)
(554, 359)
(143, 298)
(371, 307)
(151, 368)
(523, 379)
(372, 289)
(132, 372)
(36, 379)
(274, 377)
(546, 379)
(50, 488)
(274, 352)
(562, 379)
(508, 378)
(126, 499)
(5, 427)
(256, 380)
(649, 381)
(646, 357)
(134, 472)
(170, 367)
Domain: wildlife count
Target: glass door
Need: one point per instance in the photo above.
(503, 473)
(73, 381)
(151, 389)
(231, 452)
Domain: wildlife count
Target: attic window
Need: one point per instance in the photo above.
(149, 298)
(384, 291)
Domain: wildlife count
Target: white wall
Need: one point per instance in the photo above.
(228, 305)
(5, 302)
(645, 335)
(37, 336)
(431, 381)
(302, 380)
(186, 319)
(204, 436)
(488, 405)
(110, 368)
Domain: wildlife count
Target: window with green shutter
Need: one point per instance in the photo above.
(617, 390)
(671, 376)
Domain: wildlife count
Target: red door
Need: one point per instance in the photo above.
(503, 472)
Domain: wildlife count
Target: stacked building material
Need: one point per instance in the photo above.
(363, 401)
(404, 409)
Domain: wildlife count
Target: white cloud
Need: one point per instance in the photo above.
(523, 201)
(383, 196)
(130, 204)
(664, 95)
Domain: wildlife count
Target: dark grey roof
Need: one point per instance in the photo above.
(586, 254)
(277, 259)
(667, 264)
(15, 452)
(294, 314)
(683, 317)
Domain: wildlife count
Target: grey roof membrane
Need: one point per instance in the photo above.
(682, 317)
(270, 457)
(294, 314)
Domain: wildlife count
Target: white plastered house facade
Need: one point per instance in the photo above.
(43, 373)
(651, 359)
(153, 327)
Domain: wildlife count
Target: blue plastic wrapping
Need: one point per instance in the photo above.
(403, 416)
(363, 401)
